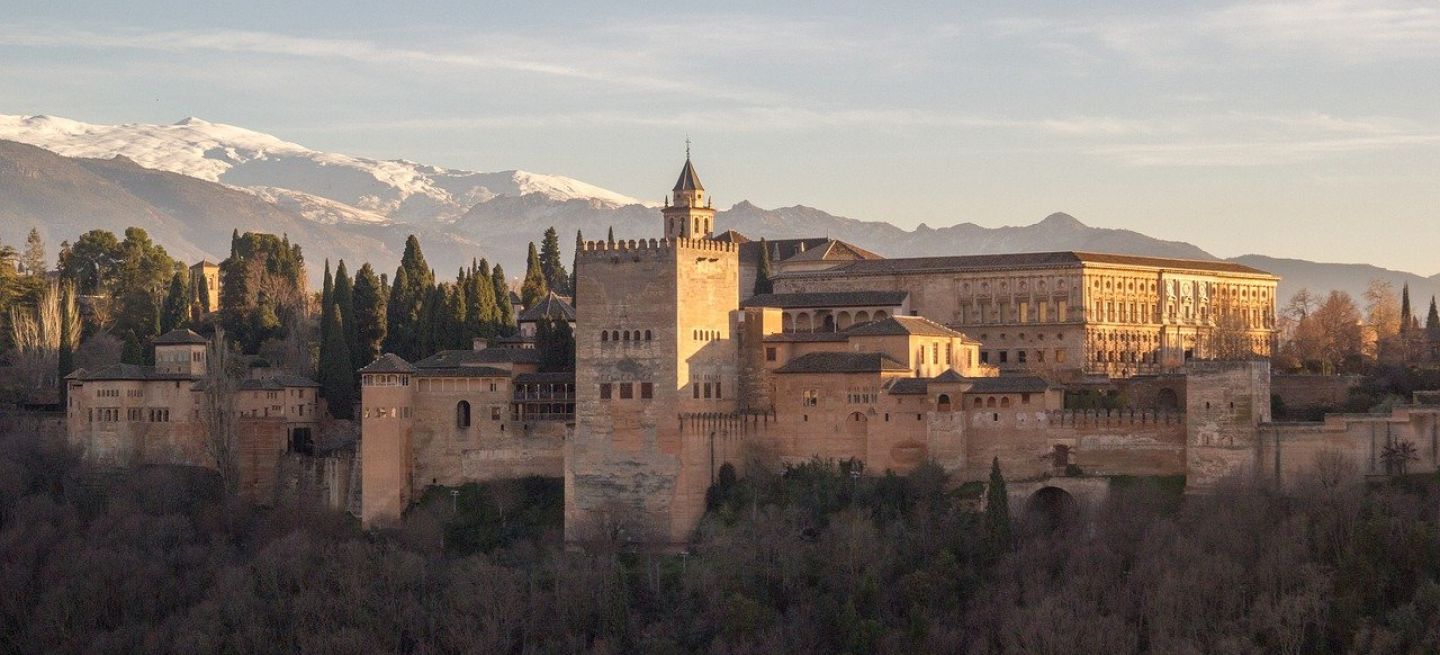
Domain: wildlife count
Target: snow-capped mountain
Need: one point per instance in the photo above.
(366, 190)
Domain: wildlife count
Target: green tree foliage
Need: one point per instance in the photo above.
(92, 263)
(1432, 322)
(176, 310)
(535, 285)
(369, 317)
(575, 269)
(262, 289)
(1407, 316)
(763, 283)
(998, 528)
(33, 260)
(556, 342)
(407, 336)
(506, 314)
(337, 378)
(345, 303)
(557, 279)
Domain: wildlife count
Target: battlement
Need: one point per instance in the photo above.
(640, 246)
(1135, 417)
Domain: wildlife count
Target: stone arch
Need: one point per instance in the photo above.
(843, 320)
(879, 315)
(648, 336)
(942, 403)
(803, 322)
(827, 324)
(1050, 508)
(1167, 399)
(787, 322)
(855, 424)
(862, 316)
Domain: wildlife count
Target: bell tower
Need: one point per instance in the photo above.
(688, 214)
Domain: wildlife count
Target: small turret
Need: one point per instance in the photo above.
(687, 212)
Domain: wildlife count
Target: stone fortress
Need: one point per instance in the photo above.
(681, 369)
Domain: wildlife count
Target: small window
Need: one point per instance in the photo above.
(647, 390)
(494, 412)
(717, 390)
(1004, 356)
(695, 390)
(627, 391)
(604, 336)
(770, 353)
(810, 398)
(462, 414)
(648, 336)
(707, 389)
(605, 391)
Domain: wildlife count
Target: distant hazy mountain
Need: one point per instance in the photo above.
(1351, 278)
(191, 183)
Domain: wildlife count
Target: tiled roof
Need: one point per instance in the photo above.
(1009, 384)
(453, 358)
(276, 382)
(828, 299)
(1025, 260)
(789, 337)
(552, 306)
(462, 372)
(830, 251)
(128, 372)
(949, 376)
(908, 386)
(688, 181)
(918, 326)
(565, 377)
(388, 363)
(841, 362)
(731, 236)
(180, 336)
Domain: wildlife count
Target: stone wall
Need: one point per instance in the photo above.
(1225, 403)
(1302, 392)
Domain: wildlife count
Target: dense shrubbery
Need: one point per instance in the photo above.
(815, 560)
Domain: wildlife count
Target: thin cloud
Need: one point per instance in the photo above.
(365, 52)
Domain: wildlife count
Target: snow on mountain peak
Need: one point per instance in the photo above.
(396, 190)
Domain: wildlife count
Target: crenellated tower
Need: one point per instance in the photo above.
(688, 214)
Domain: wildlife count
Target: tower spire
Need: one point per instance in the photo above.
(687, 147)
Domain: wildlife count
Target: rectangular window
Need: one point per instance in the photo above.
(717, 391)
(810, 398)
(1020, 355)
(605, 391)
(695, 390)
(935, 354)
(1024, 399)
(494, 412)
(770, 353)
(984, 357)
(627, 391)
(1040, 356)
(1059, 355)
(707, 389)
(1004, 356)
(647, 390)
(950, 353)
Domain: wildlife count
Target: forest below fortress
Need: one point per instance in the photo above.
(805, 560)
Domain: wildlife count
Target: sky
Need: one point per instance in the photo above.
(1307, 129)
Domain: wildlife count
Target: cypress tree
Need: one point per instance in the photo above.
(399, 320)
(484, 308)
(610, 234)
(1432, 322)
(535, 286)
(69, 331)
(345, 305)
(557, 279)
(457, 328)
(1407, 318)
(337, 380)
(575, 269)
(763, 284)
(998, 530)
(556, 343)
(369, 317)
(177, 306)
(505, 317)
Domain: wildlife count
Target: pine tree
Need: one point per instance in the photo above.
(337, 380)
(998, 530)
(763, 283)
(369, 317)
(176, 310)
(505, 316)
(535, 287)
(34, 258)
(557, 279)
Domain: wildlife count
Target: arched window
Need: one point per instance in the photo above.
(614, 335)
(979, 401)
(604, 336)
(462, 414)
(647, 335)
(626, 335)
(990, 402)
(943, 403)
(1005, 401)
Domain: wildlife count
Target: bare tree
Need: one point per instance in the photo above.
(1397, 456)
(38, 332)
(217, 411)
